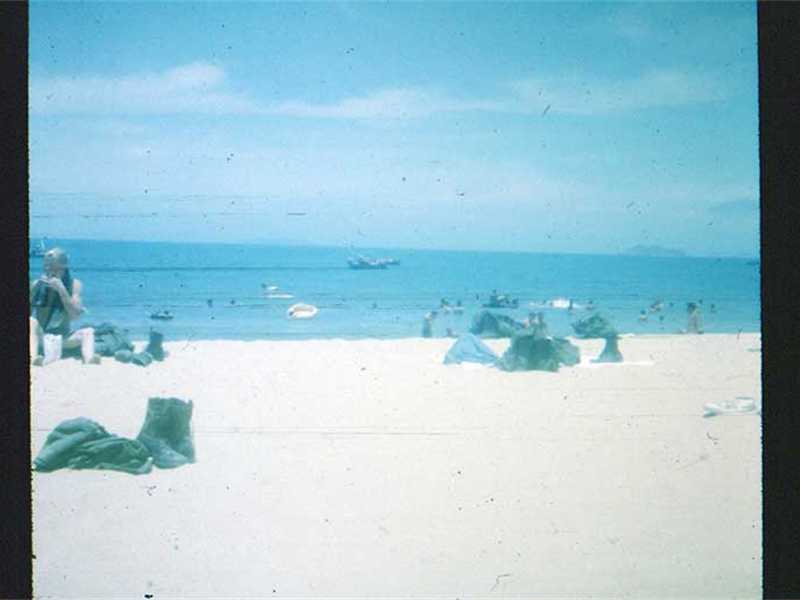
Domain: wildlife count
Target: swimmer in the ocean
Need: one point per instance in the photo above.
(695, 324)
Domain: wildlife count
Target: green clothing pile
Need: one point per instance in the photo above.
(110, 339)
(530, 351)
(595, 327)
(164, 441)
(599, 327)
(83, 444)
(491, 325)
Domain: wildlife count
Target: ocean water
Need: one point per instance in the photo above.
(124, 282)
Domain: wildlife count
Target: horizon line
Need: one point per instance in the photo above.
(353, 248)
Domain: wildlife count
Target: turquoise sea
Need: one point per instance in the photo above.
(124, 282)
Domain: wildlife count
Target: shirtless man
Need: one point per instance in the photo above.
(55, 300)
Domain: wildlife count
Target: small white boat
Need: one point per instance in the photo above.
(302, 311)
(362, 263)
(560, 303)
(272, 293)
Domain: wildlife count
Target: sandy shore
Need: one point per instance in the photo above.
(367, 468)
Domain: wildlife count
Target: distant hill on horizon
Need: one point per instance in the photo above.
(643, 250)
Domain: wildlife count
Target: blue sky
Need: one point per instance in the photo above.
(553, 127)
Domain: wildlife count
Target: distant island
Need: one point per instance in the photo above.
(641, 250)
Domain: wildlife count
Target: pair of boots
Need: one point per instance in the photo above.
(153, 351)
(167, 432)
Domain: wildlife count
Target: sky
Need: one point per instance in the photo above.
(544, 127)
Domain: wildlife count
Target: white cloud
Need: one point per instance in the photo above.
(387, 104)
(194, 88)
(589, 95)
(201, 88)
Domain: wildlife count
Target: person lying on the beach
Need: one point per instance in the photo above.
(55, 300)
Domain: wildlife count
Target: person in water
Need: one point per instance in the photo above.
(55, 300)
(427, 325)
(695, 324)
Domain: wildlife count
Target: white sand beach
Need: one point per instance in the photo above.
(368, 468)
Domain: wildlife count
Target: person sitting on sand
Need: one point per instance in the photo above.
(55, 300)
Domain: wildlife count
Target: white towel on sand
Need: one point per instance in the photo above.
(739, 406)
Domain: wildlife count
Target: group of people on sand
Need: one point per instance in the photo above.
(55, 299)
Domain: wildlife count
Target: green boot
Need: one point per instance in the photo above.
(167, 432)
(182, 418)
(154, 347)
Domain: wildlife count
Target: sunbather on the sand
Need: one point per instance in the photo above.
(55, 300)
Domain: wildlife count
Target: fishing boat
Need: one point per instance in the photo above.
(501, 301)
(162, 315)
(273, 293)
(364, 263)
(389, 262)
